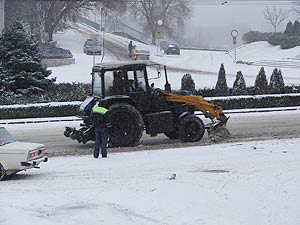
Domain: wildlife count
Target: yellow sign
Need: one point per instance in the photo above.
(159, 35)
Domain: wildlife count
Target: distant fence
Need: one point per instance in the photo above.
(82, 20)
(118, 28)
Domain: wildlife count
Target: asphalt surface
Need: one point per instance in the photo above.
(243, 127)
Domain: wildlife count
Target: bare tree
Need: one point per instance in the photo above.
(275, 16)
(171, 12)
(43, 16)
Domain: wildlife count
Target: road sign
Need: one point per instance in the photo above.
(234, 41)
(159, 22)
(159, 35)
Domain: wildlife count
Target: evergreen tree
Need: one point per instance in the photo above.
(187, 83)
(297, 28)
(261, 83)
(221, 86)
(289, 30)
(239, 85)
(23, 72)
(276, 82)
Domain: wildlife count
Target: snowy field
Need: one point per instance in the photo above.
(229, 184)
(203, 65)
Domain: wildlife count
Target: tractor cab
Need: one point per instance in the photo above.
(127, 82)
(122, 78)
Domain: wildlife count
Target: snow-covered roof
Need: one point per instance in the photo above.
(118, 64)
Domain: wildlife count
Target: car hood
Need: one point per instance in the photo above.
(19, 147)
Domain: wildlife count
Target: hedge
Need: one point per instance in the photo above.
(54, 109)
(256, 101)
(72, 108)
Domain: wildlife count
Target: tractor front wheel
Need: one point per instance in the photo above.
(191, 129)
(127, 125)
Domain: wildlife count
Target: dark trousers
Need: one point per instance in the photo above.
(101, 140)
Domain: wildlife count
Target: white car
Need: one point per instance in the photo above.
(16, 156)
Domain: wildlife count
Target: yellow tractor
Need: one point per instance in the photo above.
(135, 105)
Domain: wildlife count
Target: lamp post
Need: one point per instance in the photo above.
(102, 29)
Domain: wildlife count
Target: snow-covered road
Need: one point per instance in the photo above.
(244, 126)
(229, 184)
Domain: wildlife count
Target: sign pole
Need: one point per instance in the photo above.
(234, 35)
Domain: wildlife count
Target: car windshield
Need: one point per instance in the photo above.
(91, 42)
(5, 137)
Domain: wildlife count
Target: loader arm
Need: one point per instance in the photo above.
(209, 109)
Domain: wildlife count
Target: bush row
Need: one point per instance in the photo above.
(63, 92)
(258, 101)
(39, 110)
(211, 92)
(72, 109)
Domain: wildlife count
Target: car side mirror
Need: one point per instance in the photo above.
(152, 85)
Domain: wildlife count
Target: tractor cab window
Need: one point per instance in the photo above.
(97, 85)
(108, 82)
(141, 83)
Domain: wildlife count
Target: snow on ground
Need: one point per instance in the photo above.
(203, 65)
(239, 183)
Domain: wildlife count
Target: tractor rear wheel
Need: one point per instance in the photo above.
(191, 129)
(127, 125)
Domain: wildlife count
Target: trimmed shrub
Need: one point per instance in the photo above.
(239, 85)
(261, 83)
(187, 83)
(221, 88)
(276, 82)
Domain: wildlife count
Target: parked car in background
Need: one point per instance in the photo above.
(172, 49)
(92, 46)
(16, 156)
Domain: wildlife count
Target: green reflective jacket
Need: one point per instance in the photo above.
(101, 110)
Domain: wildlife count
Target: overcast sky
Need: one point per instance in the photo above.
(211, 16)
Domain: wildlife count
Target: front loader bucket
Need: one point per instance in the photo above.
(218, 131)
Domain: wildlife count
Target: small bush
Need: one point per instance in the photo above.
(254, 36)
(48, 51)
(290, 42)
(277, 39)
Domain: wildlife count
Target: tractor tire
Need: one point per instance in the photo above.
(2, 172)
(127, 125)
(172, 134)
(191, 129)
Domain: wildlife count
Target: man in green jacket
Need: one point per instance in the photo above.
(101, 120)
